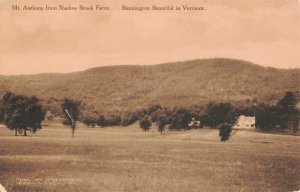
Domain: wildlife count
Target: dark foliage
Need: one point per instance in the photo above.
(181, 118)
(266, 117)
(89, 121)
(224, 132)
(113, 120)
(248, 111)
(176, 122)
(101, 121)
(21, 113)
(206, 120)
(218, 113)
(169, 114)
(161, 123)
(145, 123)
(71, 109)
(186, 118)
(288, 113)
(283, 115)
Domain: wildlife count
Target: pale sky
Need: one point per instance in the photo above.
(265, 32)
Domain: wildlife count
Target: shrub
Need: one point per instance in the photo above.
(89, 121)
(176, 122)
(101, 121)
(169, 114)
(225, 130)
(161, 122)
(113, 120)
(145, 123)
(181, 118)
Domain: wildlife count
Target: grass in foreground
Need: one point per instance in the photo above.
(127, 159)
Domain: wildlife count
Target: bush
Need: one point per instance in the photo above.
(113, 120)
(145, 123)
(161, 122)
(101, 121)
(181, 118)
(89, 121)
(225, 130)
(169, 115)
(176, 122)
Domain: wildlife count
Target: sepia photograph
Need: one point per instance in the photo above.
(149, 95)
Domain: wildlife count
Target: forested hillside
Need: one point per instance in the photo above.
(170, 84)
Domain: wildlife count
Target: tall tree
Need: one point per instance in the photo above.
(266, 117)
(71, 109)
(21, 113)
(288, 113)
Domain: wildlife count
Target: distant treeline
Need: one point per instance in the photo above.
(282, 115)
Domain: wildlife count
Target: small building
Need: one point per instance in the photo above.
(245, 122)
(194, 124)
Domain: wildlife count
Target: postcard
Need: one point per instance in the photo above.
(149, 95)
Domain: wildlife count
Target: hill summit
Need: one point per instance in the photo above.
(170, 84)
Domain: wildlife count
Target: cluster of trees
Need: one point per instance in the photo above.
(21, 114)
(283, 115)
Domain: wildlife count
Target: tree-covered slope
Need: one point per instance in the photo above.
(171, 84)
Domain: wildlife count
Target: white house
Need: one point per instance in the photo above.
(245, 122)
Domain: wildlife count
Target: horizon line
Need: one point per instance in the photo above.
(155, 64)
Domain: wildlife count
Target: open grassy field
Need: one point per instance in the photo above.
(127, 159)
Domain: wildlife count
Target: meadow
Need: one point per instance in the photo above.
(127, 159)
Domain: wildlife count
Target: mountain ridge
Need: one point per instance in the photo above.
(125, 87)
